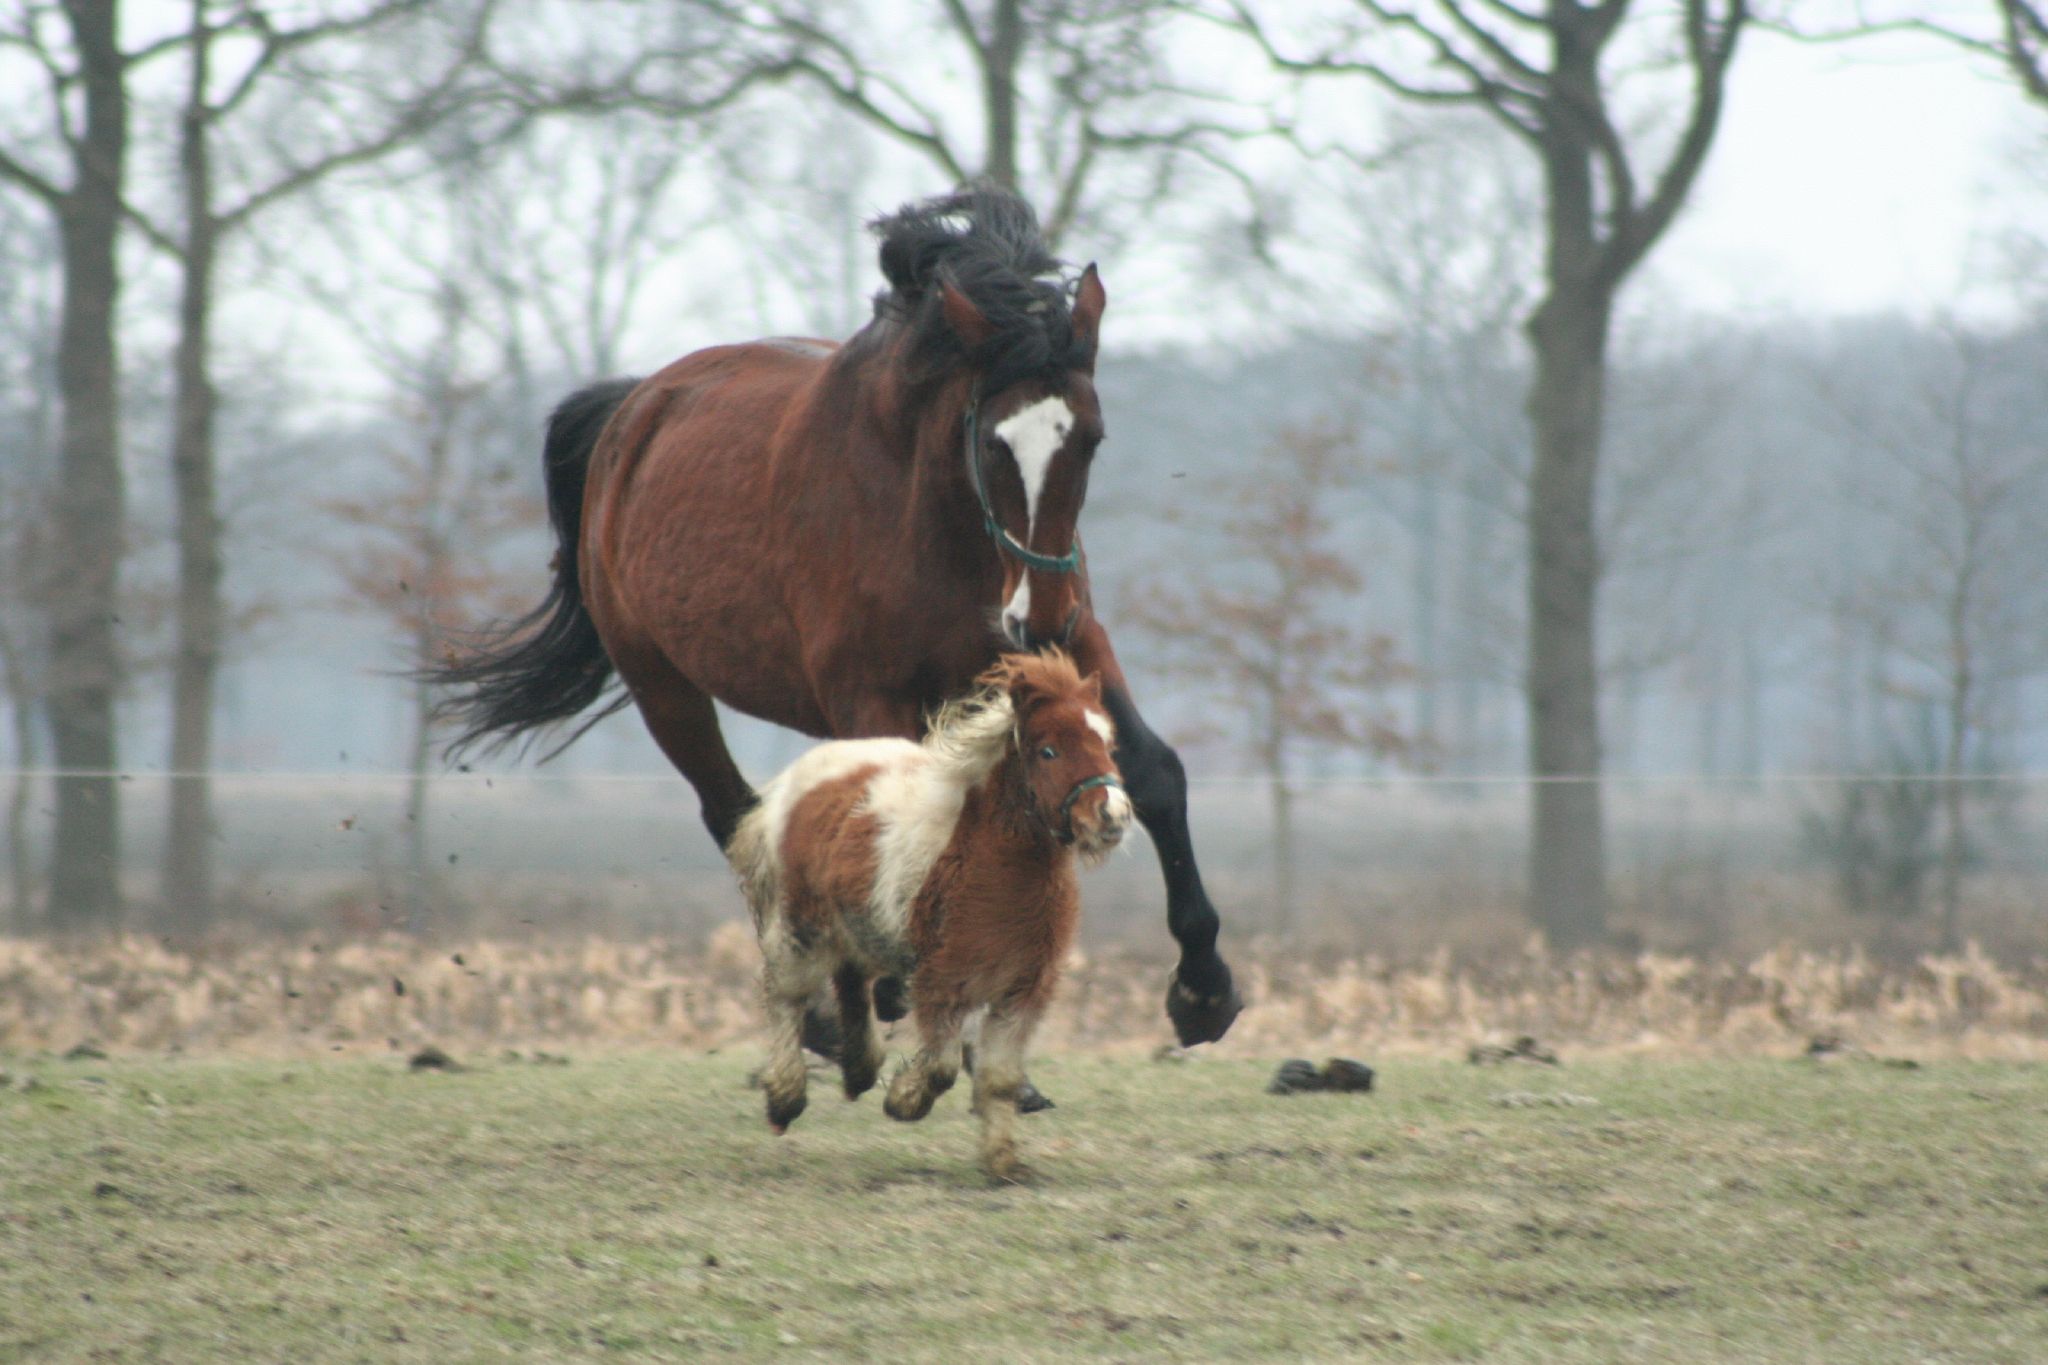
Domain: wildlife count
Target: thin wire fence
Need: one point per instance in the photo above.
(1402, 865)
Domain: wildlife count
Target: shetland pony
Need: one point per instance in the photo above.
(838, 538)
(946, 864)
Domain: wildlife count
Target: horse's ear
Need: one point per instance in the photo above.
(1091, 688)
(1089, 299)
(962, 316)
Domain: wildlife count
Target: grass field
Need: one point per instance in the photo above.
(634, 1205)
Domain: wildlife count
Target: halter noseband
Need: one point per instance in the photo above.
(1081, 789)
(1009, 544)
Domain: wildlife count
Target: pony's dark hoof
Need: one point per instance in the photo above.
(1199, 1018)
(1031, 1100)
(858, 1080)
(782, 1113)
(892, 1001)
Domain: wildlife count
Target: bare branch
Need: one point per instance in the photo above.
(1710, 47)
(22, 176)
(1513, 106)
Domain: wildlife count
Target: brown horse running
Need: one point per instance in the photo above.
(949, 863)
(840, 538)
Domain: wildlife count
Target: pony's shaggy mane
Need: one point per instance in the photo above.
(970, 735)
(986, 243)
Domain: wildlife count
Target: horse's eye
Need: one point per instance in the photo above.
(1048, 752)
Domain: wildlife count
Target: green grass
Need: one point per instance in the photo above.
(636, 1206)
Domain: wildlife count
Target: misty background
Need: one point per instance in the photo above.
(343, 258)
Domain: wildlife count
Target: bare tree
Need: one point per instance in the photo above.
(1269, 627)
(28, 314)
(1067, 90)
(74, 53)
(1540, 74)
(1436, 233)
(420, 551)
(2024, 44)
(249, 70)
(1953, 605)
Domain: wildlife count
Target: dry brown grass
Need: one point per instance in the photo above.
(134, 993)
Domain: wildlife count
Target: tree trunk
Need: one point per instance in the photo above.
(1283, 854)
(188, 845)
(1568, 858)
(1955, 844)
(85, 669)
(419, 762)
(20, 857)
(999, 56)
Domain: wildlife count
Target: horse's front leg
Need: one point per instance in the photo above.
(1201, 1000)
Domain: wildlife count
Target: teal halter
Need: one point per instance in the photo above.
(1009, 544)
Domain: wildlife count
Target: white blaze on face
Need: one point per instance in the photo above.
(1034, 435)
(1099, 723)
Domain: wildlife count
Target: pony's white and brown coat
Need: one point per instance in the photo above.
(948, 862)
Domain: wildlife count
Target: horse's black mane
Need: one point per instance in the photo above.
(986, 243)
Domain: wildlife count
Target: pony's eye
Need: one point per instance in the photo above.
(1048, 752)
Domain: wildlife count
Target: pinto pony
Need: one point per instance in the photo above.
(946, 864)
(838, 538)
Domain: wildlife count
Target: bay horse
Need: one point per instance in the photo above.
(837, 538)
(948, 864)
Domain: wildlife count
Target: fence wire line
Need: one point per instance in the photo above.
(309, 778)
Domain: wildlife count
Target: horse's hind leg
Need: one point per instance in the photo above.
(860, 1053)
(680, 716)
(998, 1077)
(931, 1071)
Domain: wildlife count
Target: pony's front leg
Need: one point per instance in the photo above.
(1201, 999)
(998, 1077)
(930, 1072)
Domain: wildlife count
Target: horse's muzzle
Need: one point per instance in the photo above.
(1017, 631)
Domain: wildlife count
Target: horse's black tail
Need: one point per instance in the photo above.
(542, 668)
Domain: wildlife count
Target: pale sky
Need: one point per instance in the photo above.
(1848, 179)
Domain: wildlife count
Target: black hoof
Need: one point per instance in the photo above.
(892, 1002)
(858, 1078)
(1030, 1099)
(782, 1113)
(1202, 1018)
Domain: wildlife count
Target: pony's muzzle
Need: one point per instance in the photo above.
(1101, 820)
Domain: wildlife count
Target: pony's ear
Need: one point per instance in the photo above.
(962, 316)
(1089, 300)
(1091, 688)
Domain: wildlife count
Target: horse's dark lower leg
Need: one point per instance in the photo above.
(860, 1056)
(1201, 1000)
(680, 716)
(892, 1001)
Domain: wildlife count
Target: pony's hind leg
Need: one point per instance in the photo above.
(998, 1078)
(860, 1052)
(788, 981)
(930, 1072)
